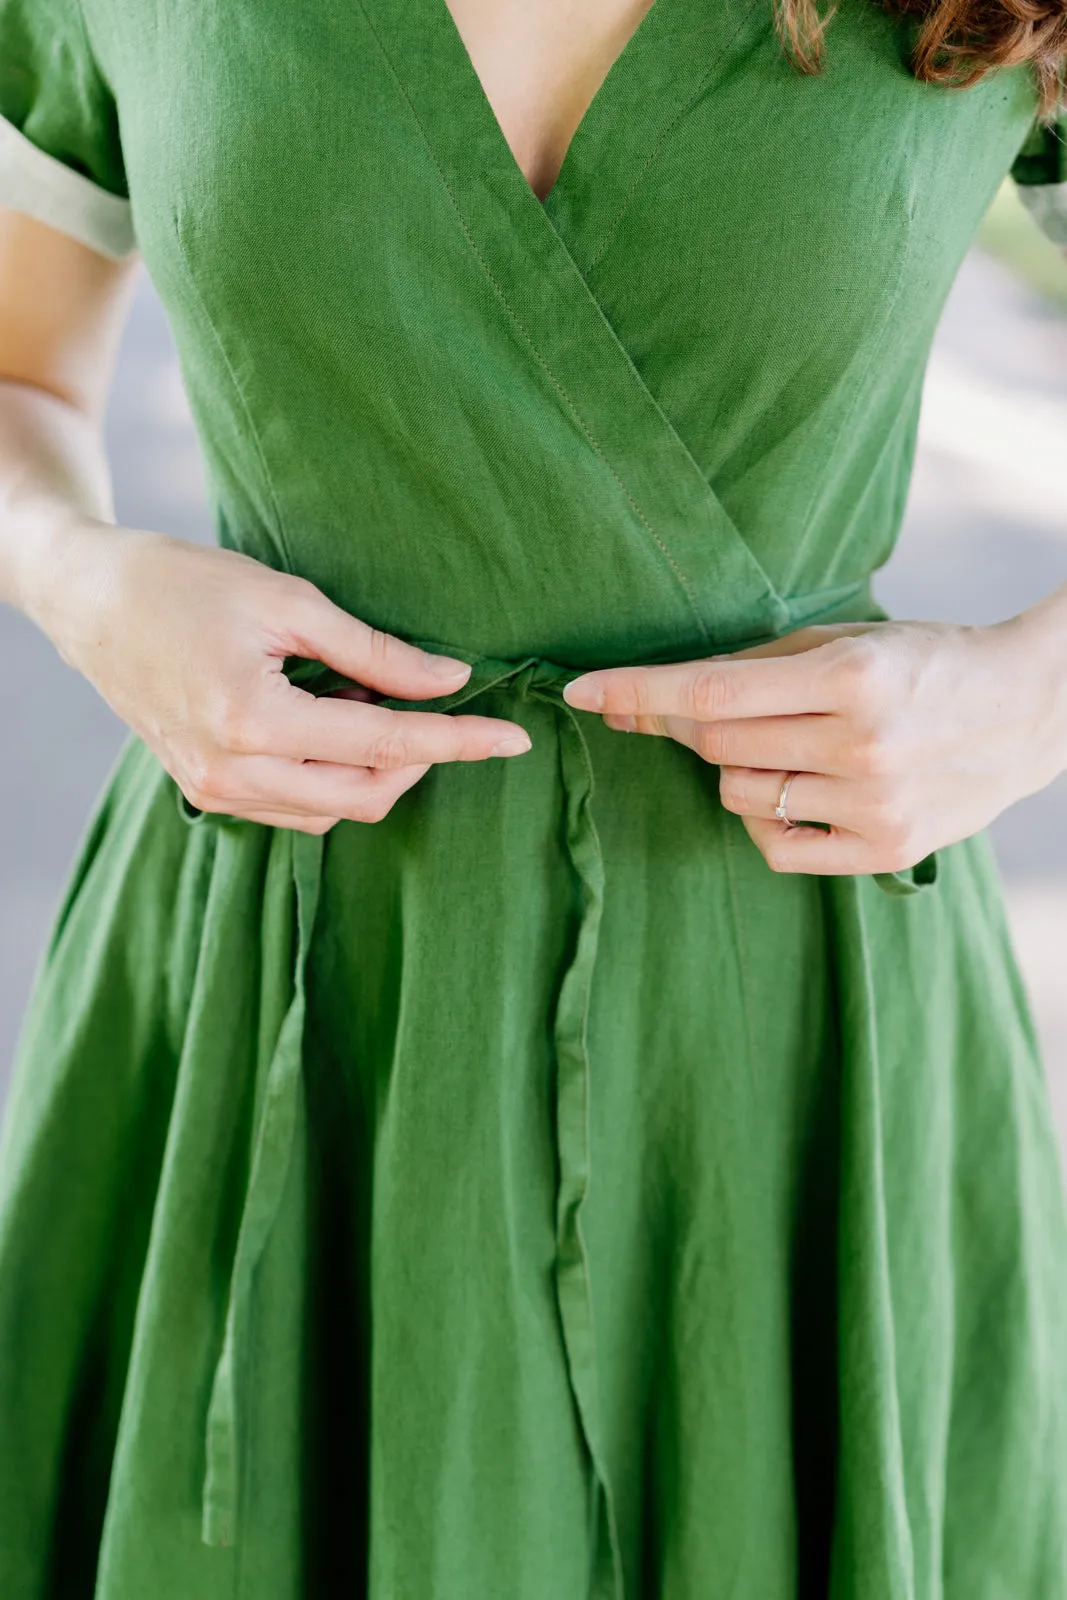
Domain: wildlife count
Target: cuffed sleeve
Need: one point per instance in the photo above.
(1040, 174)
(60, 150)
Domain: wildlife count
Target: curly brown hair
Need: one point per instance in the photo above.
(959, 41)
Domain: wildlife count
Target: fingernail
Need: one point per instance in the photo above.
(583, 695)
(514, 745)
(622, 724)
(445, 666)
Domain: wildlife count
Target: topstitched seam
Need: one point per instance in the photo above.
(576, 414)
(658, 146)
(257, 443)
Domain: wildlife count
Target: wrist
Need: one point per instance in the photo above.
(1039, 638)
(66, 580)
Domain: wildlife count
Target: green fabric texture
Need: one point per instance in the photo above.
(531, 1195)
(53, 91)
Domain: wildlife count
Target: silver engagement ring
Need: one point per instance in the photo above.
(779, 810)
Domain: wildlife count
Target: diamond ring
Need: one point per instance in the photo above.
(779, 810)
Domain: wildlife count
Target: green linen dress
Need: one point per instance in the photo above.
(531, 1196)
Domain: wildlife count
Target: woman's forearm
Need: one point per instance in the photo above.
(1043, 631)
(55, 503)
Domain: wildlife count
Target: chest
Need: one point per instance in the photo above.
(406, 365)
(540, 68)
(350, 184)
(351, 123)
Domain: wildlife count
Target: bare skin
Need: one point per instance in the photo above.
(199, 676)
(187, 643)
(906, 735)
(541, 66)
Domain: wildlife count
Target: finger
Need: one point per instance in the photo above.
(811, 797)
(289, 819)
(325, 632)
(813, 850)
(801, 639)
(326, 728)
(246, 812)
(802, 743)
(307, 789)
(709, 690)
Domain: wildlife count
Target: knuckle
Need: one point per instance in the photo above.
(874, 757)
(371, 807)
(205, 780)
(378, 808)
(886, 817)
(708, 693)
(859, 669)
(299, 610)
(227, 720)
(633, 696)
(902, 852)
(380, 645)
(711, 743)
(390, 750)
(731, 793)
(196, 797)
(316, 825)
(301, 589)
(241, 731)
(775, 857)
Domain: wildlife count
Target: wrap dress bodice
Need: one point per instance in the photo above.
(530, 1196)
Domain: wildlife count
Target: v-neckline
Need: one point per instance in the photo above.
(632, 45)
(666, 64)
(533, 262)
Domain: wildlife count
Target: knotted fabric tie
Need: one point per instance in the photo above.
(540, 679)
(273, 1141)
(266, 1184)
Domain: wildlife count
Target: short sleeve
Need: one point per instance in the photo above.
(60, 152)
(1040, 173)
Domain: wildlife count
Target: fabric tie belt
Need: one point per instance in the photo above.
(280, 1098)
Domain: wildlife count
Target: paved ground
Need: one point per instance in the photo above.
(986, 535)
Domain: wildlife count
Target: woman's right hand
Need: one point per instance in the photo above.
(186, 644)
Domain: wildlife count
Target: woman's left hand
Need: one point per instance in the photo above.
(905, 736)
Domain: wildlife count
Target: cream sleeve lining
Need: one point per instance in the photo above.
(35, 183)
(1047, 204)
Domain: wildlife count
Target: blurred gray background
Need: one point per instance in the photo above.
(986, 535)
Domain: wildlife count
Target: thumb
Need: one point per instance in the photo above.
(329, 634)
